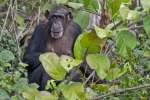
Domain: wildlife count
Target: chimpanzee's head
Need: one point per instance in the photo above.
(58, 17)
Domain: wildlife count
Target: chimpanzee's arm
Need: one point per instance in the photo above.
(35, 48)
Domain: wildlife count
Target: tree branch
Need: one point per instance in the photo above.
(117, 25)
(123, 90)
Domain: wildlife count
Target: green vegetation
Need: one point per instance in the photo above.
(118, 50)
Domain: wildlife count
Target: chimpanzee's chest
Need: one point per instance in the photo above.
(61, 46)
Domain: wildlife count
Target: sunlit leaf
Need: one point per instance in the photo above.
(99, 62)
(73, 91)
(92, 42)
(101, 33)
(133, 15)
(78, 50)
(146, 23)
(69, 62)
(124, 10)
(50, 62)
(75, 5)
(82, 18)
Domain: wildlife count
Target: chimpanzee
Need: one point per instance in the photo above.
(57, 35)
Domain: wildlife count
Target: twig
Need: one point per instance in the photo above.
(38, 19)
(123, 90)
(140, 20)
(5, 20)
(117, 25)
(89, 77)
(137, 27)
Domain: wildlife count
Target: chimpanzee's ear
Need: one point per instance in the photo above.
(69, 16)
(47, 14)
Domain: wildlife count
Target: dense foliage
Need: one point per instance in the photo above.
(117, 50)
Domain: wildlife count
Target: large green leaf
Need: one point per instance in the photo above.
(75, 5)
(146, 23)
(99, 62)
(82, 18)
(73, 91)
(146, 5)
(6, 56)
(92, 42)
(50, 62)
(78, 50)
(125, 42)
(68, 62)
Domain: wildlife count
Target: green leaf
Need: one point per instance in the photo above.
(124, 10)
(125, 42)
(6, 56)
(113, 74)
(73, 91)
(75, 5)
(30, 94)
(90, 8)
(47, 7)
(50, 62)
(101, 33)
(82, 18)
(19, 19)
(69, 62)
(116, 5)
(44, 95)
(78, 50)
(146, 5)
(61, 1)
(99, 62)
(95, 4)
(90, 94)
(86, 2)
(6, 64)
(102, 87)
(133, 15)
(92, 42)
(146, 23)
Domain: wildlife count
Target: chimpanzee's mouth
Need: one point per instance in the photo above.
(57, 34)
